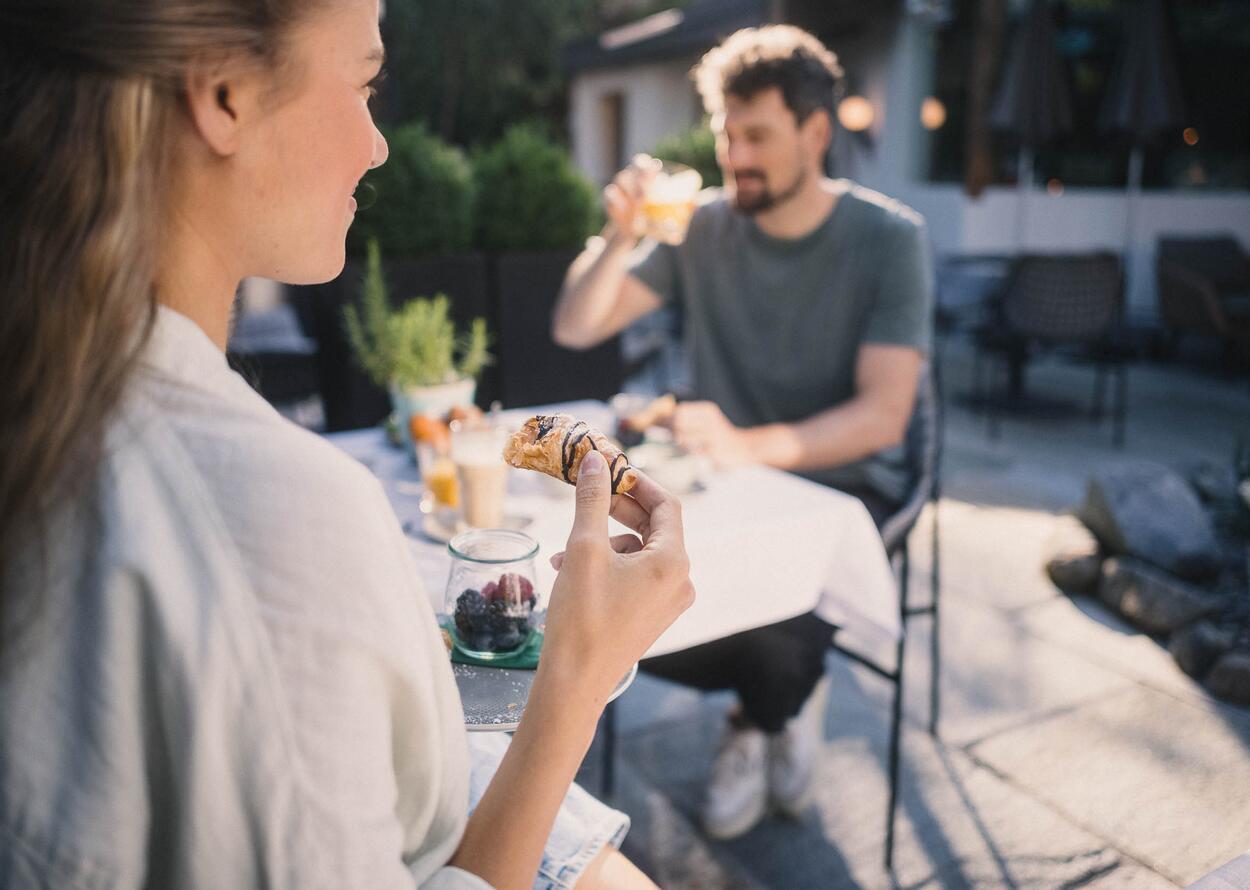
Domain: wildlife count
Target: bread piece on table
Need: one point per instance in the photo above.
(657, 410)
(556, 443)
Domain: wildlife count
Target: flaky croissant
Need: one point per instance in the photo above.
(555, 444)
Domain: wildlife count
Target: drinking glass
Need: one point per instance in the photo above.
(668, 201)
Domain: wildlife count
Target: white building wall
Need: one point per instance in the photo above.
(659, 99)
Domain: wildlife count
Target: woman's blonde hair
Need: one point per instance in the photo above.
(88, 92)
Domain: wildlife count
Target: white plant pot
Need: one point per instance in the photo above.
(432, 401)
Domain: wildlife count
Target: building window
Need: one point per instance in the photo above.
(1211, 40)
(612, 119)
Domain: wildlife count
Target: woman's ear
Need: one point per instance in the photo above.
(221, 100)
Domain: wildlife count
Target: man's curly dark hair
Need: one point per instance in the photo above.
(782, 56)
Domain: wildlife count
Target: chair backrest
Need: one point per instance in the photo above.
(1217, 258)
(1064, 297)
(923, 449)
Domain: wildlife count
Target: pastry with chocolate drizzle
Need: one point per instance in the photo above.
(556, 443)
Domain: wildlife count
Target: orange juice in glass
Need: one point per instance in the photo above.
(668, 202)
(441, 482)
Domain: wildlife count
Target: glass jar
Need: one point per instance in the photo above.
(491, 600)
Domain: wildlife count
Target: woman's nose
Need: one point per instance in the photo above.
(381, 151)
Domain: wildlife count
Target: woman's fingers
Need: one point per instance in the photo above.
(620, 543)
(625, 543)
(663, 513)
(629, 513)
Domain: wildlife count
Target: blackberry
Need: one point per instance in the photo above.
(511, 639)
(471, 613)
(497, 618)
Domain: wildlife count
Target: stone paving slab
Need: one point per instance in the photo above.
(996, 673)
(1167, 778)
(959, 825)
(1085, 626)
(1008, 546)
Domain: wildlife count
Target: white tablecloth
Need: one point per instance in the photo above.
(764, 545)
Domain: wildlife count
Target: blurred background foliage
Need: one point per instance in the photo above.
(474, 105)
(424, 198)
(695, 148)
(529, 195)
(472, 68)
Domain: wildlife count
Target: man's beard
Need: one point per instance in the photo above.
(765, 199)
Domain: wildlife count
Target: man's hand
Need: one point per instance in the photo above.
(623, 196)
(702, 428)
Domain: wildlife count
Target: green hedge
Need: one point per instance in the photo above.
(424, 200)
(695, 148)
(521, 193)
(530, 197)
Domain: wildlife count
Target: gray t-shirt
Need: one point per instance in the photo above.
(772, 327)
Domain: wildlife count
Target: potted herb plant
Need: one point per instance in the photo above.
(414, 351)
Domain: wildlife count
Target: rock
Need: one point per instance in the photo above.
(1076, 575)
(1199, 646)
(1149, 512)
(1230, 678)
(1075, 563)
(1151, 599)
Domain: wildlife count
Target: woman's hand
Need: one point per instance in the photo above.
(613, 597)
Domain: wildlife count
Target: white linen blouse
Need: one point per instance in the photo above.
(230, 675)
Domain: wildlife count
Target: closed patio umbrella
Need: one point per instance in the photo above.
(1032, 102)
(1143, 97)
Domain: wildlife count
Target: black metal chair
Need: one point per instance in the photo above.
(1204, 288)
(923, 448)
(1055, 302)
(924, 455)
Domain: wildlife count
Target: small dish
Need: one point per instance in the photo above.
(676, 470)
(438, 528)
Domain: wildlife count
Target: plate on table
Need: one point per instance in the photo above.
(494, 698)
(440, 529)
(675, 469)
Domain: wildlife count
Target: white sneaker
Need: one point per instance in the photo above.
(792, 754)
(737, 794)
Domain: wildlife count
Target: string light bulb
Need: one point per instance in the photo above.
(855, 113)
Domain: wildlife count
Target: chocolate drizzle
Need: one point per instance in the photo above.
(574, 434)
(569, 450)
(546, 423)
(620, 474)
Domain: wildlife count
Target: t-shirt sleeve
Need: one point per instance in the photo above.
(902, 313)
(655, 264)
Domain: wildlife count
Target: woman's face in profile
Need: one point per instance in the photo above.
(301, 163)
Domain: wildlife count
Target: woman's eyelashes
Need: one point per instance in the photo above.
(371, 88)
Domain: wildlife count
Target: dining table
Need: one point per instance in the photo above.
(764, 545)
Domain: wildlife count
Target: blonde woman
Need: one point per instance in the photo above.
(216, 665)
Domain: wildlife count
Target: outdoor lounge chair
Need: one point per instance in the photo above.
(1069, 304)
(1204, 288)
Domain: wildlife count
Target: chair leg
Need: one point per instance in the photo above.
(608, 785)
(1100, 390)
(935, 655)
(978, 394)
(995, 399)
(896, 713)
(1121, 405)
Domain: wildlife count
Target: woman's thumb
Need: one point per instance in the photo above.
(594, 497)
